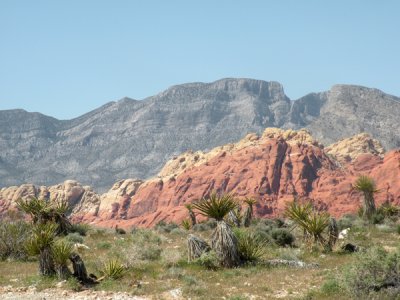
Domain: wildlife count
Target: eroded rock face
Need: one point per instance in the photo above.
(273, 168)
(81, 199)
(349, 149)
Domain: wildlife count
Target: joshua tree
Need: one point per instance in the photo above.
(43, 212)
(40, 244)
(192, 215)
(196, 247)
(248, 213)
(223, 241)
(367, 186)
(333, 232)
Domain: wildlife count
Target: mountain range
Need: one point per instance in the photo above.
(134, 139)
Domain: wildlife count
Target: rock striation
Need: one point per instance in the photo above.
(134, 139)
(273, 168)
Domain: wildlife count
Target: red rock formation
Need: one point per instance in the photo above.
(273, 169)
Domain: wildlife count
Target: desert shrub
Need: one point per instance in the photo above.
(347, 221)
(178, 231)
(80, 228)
(377, 218)
(164, 227)
(200, 227)
(74, 238)
(282, 237)
(13, 236)
(171, 257)
(251, 247)
(113, 269)
(373, 271)
(330, 287)
(389, 210)
(208, 260)
(186, 224)
(279, 222)
(103, 245)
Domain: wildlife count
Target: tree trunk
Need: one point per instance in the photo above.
(196, 247)
(192, 217)
(369, 205)
(46, 263)
(247, 216)
(80, 272)
(63, 272)
(225, 245)
(333, 231)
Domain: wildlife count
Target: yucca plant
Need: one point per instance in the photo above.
(367, 186)
(196, 247)
(186, 224)
(311, 221)
(248, 213)
(234, 218)
(40, 244)
(223, 241)
(251, 246)
(113, 269)
(62, 251)
(389, 210)
(192, 215)
(43, 211)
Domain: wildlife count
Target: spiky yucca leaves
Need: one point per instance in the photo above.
(248, 213)
(251, 247)
(311, 221)
(62, 250)
(389, 210)
(186, 224)
(41, 243)
(192, 215)
(367, 186)
(215, 206)
(333, 233)
(113, 269)
(43, 212)
(196, 247)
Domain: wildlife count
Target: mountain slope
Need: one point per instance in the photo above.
(130, 138)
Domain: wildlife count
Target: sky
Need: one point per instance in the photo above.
(64, 58)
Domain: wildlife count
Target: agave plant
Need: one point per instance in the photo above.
(367, 186)
(192, 215)
(113, 269)
(248, 213)
(41, 243)
(186, 224)
(250, 245)
(62, 251)
(223, 241)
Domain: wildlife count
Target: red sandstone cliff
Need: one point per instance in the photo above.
(272, 168)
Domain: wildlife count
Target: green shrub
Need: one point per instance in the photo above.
(208, 260)
(251, 246)
(282, 237)
(113, 269)
(80, 228)
(373, 271)
(74, 238)
(347, 221)
(104, 245)
(200, 227)
(164, 227)
(377, 218)
(13, 237)
(330, 287)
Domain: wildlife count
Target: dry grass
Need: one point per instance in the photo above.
(157, 263)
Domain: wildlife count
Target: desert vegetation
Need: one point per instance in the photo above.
(306, 254)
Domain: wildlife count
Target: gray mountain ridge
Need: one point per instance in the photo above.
(130, 138)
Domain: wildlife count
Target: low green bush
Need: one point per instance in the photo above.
(80, 228)
(251, 247)
(164, 227)
(377, 218)
(74, 237)
(208, 260)
(376, 270)
(347, 221)
(13, 237)
(282, 237)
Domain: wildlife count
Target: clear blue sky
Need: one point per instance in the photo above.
(64, 58)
